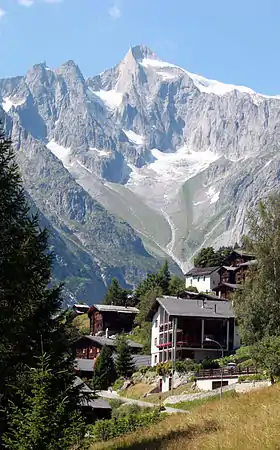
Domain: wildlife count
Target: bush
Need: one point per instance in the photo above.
(163, 368)
(103, 430)
(251, 378)
(118, 384)
(185, 366)
(209, 364)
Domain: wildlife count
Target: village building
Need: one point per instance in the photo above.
(111, 319)
(92, 408)
(89, 347)
(232, 277)
(186, 328)
(80, 309)
(204, 279)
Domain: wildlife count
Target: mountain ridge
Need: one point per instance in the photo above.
(170, 152)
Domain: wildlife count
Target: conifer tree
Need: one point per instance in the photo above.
(124, 362)
(29, 307)
(104, 373)
(257, 304)
(116, 295)
(164, 278)
(43, 422)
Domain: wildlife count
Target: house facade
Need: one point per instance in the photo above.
(111, 319)
(89, 347)
(180, 327)
(204, 279)
(232, 277)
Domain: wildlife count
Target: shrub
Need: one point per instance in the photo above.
(185, 366)
(118, 384)
(163, 368)
(103, 430)
(251, 378)
(209, 364)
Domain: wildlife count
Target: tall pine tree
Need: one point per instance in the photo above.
(257, 305)
(28, 305)
(104, 373)
(43, 422)
(124, 361)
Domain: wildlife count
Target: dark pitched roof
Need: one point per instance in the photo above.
(85, 400)
(201, 271)
(139, 360)
(230, 285)
(86, 365)
(110, 342)
(196, 308)
(115, 308)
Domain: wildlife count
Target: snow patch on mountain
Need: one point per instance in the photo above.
(213, 195)
(60, 152)
(134, 137)
(158, 177)
(102, 153)
(112, 99)
(8, 103)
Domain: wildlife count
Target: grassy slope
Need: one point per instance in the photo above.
(249, 421)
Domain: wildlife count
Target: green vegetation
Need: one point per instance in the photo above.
(124, 362)
(43, 421)
(82, 324)
(247, 421)
(192, 404)
(207, 257)
(176, 285)
(251, 378)
(104, 430)
(104, 373)
(257, 305)
(116, 295)
(30, 322)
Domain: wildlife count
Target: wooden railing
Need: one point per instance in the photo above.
(227, 372)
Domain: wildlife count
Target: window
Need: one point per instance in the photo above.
(155, 359)
(155, 341)
(156, 323)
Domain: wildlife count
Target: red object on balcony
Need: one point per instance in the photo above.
(165, 344)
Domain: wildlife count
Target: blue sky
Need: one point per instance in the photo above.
(235, 41)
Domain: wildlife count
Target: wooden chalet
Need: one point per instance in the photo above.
(111, 319)
(88, 347)
(233, 273)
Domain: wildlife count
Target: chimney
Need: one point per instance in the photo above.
(107, 333)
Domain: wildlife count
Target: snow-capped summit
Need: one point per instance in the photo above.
(176, 155)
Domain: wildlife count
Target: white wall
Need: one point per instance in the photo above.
(165, 383)
(204, 284)
(206, 385)
(155, 334)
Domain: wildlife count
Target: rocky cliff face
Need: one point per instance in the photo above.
(176, 156)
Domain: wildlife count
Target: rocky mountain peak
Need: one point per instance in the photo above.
(140, 52)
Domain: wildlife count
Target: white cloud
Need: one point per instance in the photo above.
(26, 3)
(114, 12)
(2, 13)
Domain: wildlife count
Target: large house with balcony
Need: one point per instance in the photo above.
(180, 327)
